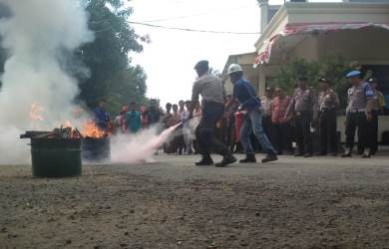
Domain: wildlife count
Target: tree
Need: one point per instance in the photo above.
(332, 68)
(3, 57)
(111, 75)
(4, 13)
(127, 86)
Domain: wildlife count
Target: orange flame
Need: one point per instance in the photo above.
(36, 112)
(68, 124)
(91, 130)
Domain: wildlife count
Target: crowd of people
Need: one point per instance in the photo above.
(304, 124)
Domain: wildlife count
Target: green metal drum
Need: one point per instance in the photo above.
(56, 157)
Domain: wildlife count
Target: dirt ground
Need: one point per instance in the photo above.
(293, 203)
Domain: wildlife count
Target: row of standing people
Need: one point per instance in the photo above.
(312, 111)
(131, 118)
(182, 141)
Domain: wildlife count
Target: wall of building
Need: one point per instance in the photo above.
(369, 46)
(338, 12)
(307, 49)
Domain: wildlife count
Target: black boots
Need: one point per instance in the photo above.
(226, 160)
(205, 161)
(347, 153)
(270, 158)
(250, 158)
(366, 153)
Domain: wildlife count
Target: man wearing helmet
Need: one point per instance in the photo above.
(211, 90)
(245, 93)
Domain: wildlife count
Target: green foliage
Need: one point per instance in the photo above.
(127, 86)
(288, 75)
(111, 75)
(332, 68)
(3, 57)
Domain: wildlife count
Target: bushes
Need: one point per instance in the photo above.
(332, 68)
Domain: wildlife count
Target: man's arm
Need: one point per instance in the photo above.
(290, 107)
(195, 98)
(369, 94)
(336, 99)
(315, 105)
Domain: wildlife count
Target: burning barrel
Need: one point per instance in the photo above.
(96, 149)
(53, 155)
(96, 145)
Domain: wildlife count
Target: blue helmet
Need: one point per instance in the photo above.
(354, 73)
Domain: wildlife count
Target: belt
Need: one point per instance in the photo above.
(303, 112)
(357, 110)
(327, 109)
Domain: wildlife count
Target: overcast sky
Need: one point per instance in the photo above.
(170, 57)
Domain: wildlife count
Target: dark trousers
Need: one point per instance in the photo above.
(268, 126)
(281, 138)
(230, 134)
(205, 131)
(372, 138)
(303, 132)
(354, 121)
(327, 127)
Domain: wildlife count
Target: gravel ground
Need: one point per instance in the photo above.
(293, 203)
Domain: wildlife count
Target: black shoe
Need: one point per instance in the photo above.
(205, 161)
(334, 154)
(308, 155)
(347, 153)
(366, 154)
(270, 158)
(298, 154)
(250, 158)
(323, 153)
(226, 160)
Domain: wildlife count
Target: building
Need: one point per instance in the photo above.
(356, 30)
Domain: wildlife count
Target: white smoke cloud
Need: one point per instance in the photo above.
(140, 147)
(34, 37)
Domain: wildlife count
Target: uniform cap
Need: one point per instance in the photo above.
(203, 64)
(354, 73)
(234, 68)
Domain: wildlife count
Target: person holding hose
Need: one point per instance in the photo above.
(211, 90)
(245, 93)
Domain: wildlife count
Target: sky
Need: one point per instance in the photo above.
(171, 55)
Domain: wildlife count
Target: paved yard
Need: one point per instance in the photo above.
(293, 203)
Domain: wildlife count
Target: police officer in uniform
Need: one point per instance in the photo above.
(358, 113)
(211, 89)
(302, 105)
(377, 108)
(328, 103)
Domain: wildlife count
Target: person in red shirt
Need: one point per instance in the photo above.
(281, 124)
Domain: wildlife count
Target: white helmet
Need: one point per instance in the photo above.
(233, 68)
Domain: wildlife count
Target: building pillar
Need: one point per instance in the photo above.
(264, 7)
(261, 80)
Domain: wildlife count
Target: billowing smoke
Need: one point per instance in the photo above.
(140, 147)
(35, 35)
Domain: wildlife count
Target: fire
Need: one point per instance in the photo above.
(91, 130)
(36, 112)
(68, 124)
